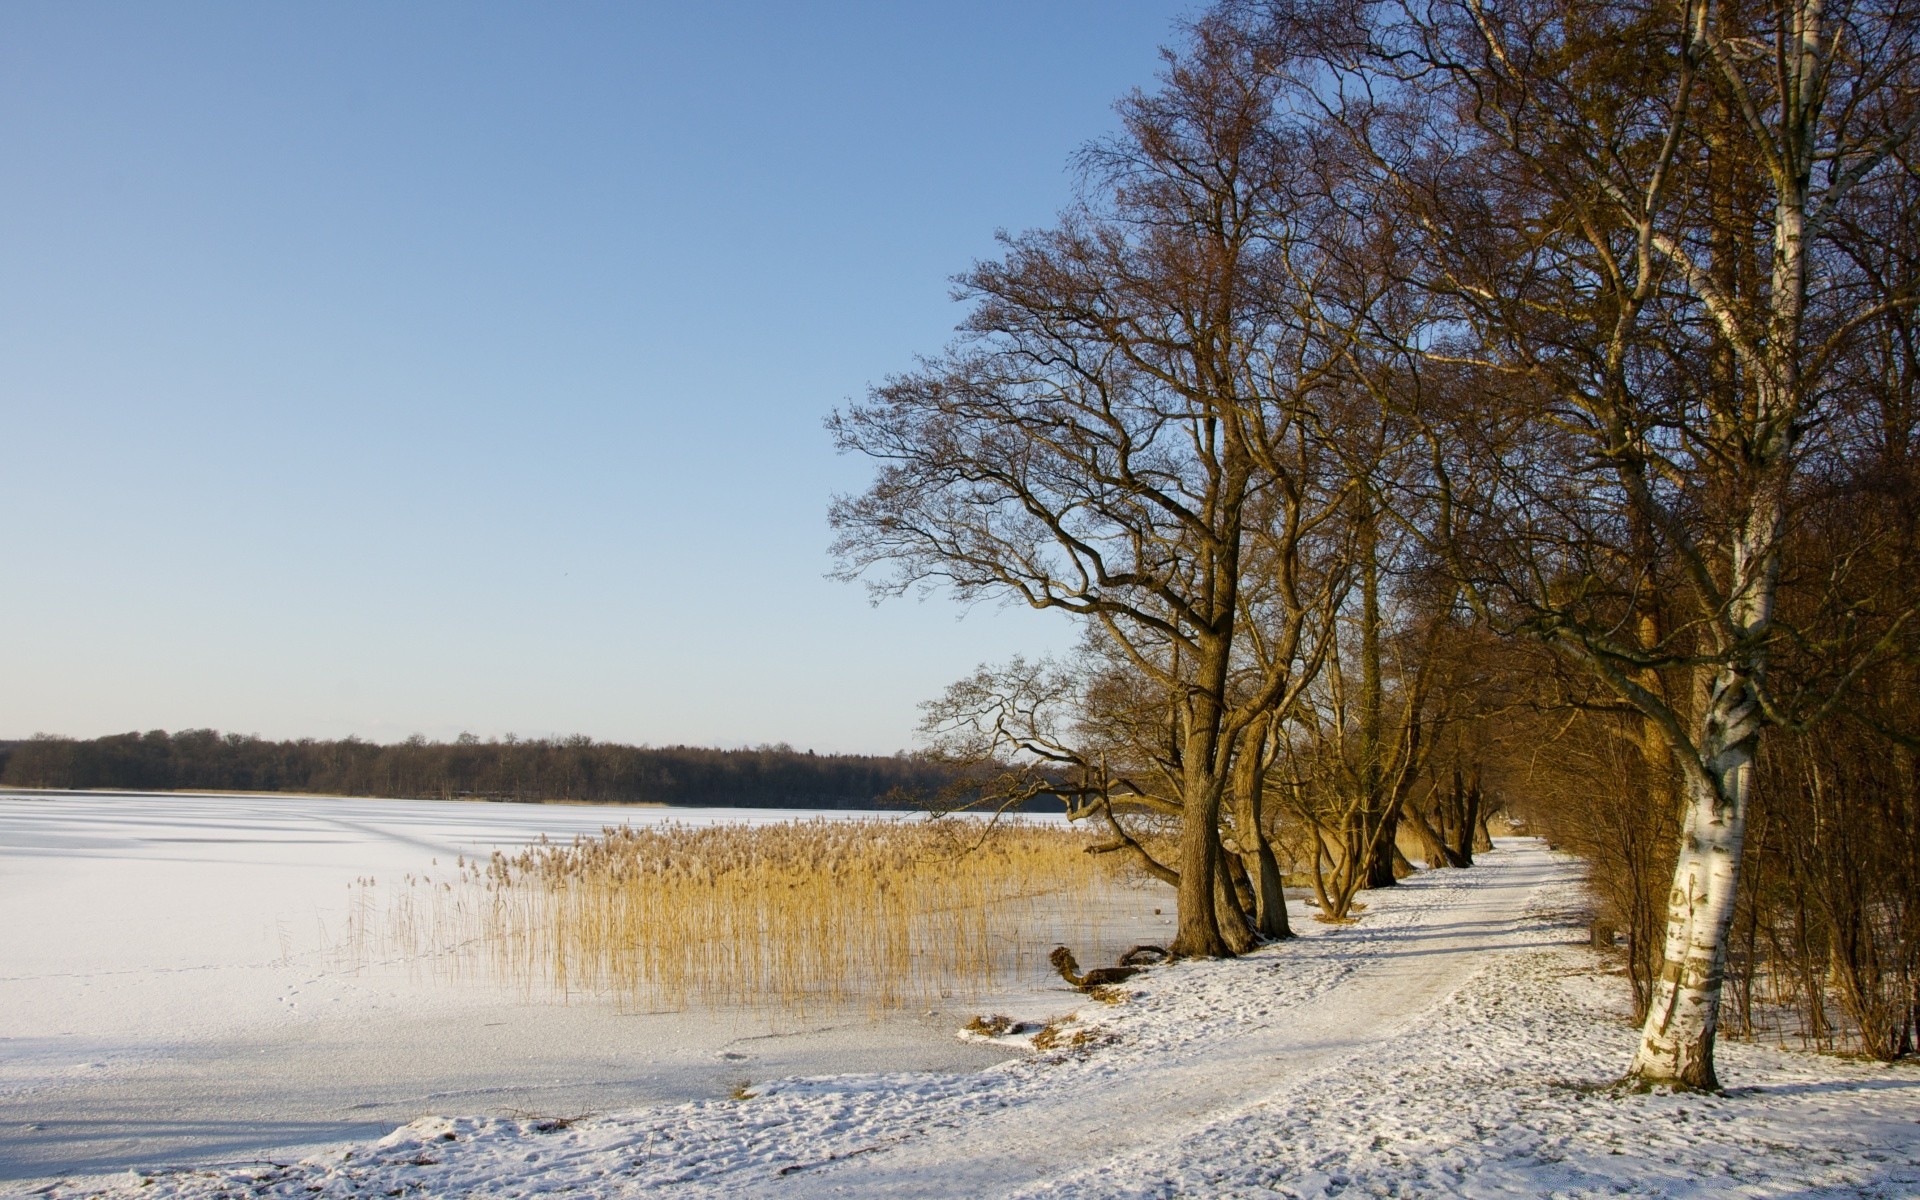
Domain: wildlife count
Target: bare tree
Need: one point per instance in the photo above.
(1631, 212)
(1114, 435)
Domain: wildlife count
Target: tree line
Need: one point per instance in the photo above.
(534, 769)
(1431, 406)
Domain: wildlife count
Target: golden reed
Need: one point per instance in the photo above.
(879, 914)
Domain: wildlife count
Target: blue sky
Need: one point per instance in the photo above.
(381, 369)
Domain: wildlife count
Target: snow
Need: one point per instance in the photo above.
(1458, 1040)
(173, 987)
(180, 917)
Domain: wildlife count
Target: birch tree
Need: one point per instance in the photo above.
(1629, 210)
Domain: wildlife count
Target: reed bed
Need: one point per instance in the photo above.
(794, 916)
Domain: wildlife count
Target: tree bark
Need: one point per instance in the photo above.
(1269, 893)
(1402, 865)
(1676, 1046)
(1473, 820)
(1256, 852)
(1379, 818)
(1231, 918)
(1430, 839)
(1380, 863)
(1482, 837)
(1198, 933)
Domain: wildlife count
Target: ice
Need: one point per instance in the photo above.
(142, 921)
(174, 988)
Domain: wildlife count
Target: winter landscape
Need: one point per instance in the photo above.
(1460, 1039)
(1302, 598)
(189, 988)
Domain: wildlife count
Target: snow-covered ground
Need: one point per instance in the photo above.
(1458, 1041)
(174, 987)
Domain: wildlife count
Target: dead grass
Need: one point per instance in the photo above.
(1059, 1035)
(994, 1025)
(796, 916)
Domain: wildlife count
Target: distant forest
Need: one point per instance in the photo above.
(574, 768)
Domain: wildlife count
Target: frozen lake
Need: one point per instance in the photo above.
(173, 985)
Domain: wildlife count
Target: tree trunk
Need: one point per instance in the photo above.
(1256, 852)
(1235, 931)
(1385, 849)
(1430, 840)
(1198, 933)
(1234, 866)
(1676, 1046)
(1402, 865)
(1269, 893)
(1473, 820)
(1204, 782)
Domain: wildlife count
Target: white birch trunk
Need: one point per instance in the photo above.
(1676, 1044)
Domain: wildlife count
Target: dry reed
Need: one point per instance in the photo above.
(794, 916)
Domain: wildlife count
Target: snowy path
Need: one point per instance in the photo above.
(1431, 947)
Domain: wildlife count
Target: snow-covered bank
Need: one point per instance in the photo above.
(173, 988)
(1455, 1042)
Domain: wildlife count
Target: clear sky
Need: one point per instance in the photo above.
(395, 368)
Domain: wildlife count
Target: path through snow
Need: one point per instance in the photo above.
(1302, 1009)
